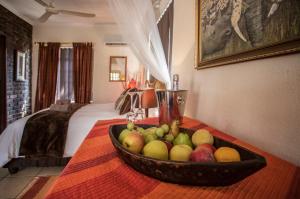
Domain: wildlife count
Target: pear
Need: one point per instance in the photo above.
(183, 138)
(169, 137)
(130, 126)
(165, 127)
(160, 132)
(175, 128)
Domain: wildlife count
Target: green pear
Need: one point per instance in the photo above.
(175, 128)
(169, 137)
(165, 127)
(140, 129)
(183, 138)
(156, 149)
(160, 132)
(130, 126)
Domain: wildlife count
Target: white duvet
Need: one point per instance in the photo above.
(80, 124)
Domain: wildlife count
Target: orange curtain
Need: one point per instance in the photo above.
(47, 75)
(82, 72)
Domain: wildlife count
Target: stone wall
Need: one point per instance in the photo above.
(18, 35)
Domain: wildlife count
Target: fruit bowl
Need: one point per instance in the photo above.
(191, 173)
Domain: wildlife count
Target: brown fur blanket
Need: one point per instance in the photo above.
(45, 133)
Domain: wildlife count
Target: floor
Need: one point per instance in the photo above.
(12, 185)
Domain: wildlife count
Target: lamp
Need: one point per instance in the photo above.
(148, 100)
(132, 83)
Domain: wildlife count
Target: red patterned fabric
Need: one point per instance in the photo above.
(96, 171)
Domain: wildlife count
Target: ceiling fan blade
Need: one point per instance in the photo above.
(81, 14)
(41, 2)
(45, 17)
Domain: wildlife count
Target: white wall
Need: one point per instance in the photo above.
(256, 101)
(103, 90)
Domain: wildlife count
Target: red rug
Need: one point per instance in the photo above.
(38, 187)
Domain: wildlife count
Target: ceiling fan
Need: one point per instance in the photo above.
(51, 10)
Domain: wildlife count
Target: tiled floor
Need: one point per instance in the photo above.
(12, 185)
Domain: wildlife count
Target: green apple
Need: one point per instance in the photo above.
(202, 136)
(130, 126)
(169, 137)
(123, 134)
(183, 138)
(180, 152)
(165, 127)
(149, 137)
(156, 149)
(134, 142)
(160, 132)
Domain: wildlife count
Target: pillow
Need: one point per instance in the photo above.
(120, 99)
(126, 103)
(60, 107)
(63, 101)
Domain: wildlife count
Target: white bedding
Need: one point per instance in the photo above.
(80, 124)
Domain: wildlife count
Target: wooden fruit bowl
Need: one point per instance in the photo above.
(191, 173)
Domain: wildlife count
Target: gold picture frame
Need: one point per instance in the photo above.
(258, 50)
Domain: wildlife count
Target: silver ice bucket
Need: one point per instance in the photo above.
(171, 105)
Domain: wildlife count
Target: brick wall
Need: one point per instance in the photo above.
(18, 35)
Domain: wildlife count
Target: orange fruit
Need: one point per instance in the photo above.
(227, 154)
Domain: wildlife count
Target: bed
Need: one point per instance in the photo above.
(80, 123)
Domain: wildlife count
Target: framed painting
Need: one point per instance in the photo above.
(231, 31)
(20, 66)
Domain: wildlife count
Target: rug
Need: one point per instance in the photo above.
(37, 188)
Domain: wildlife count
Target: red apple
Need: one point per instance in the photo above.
(206, 146)
(202, 155)
(134, 142)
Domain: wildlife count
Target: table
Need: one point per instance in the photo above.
(96, 171)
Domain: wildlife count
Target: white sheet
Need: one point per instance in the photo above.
(80, 124)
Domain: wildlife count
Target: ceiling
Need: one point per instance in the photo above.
(31, 11)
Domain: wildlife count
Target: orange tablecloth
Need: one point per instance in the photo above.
(96, 171)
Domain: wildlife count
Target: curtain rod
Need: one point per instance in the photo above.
(64, 43)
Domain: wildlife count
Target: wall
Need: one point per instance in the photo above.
(103, 90)
(18, 35)
(256, 101)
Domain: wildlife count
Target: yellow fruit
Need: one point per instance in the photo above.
(156, 149)
(202, 136)
(180, 152)
(227, 154)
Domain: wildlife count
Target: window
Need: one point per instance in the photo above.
(64, 87)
